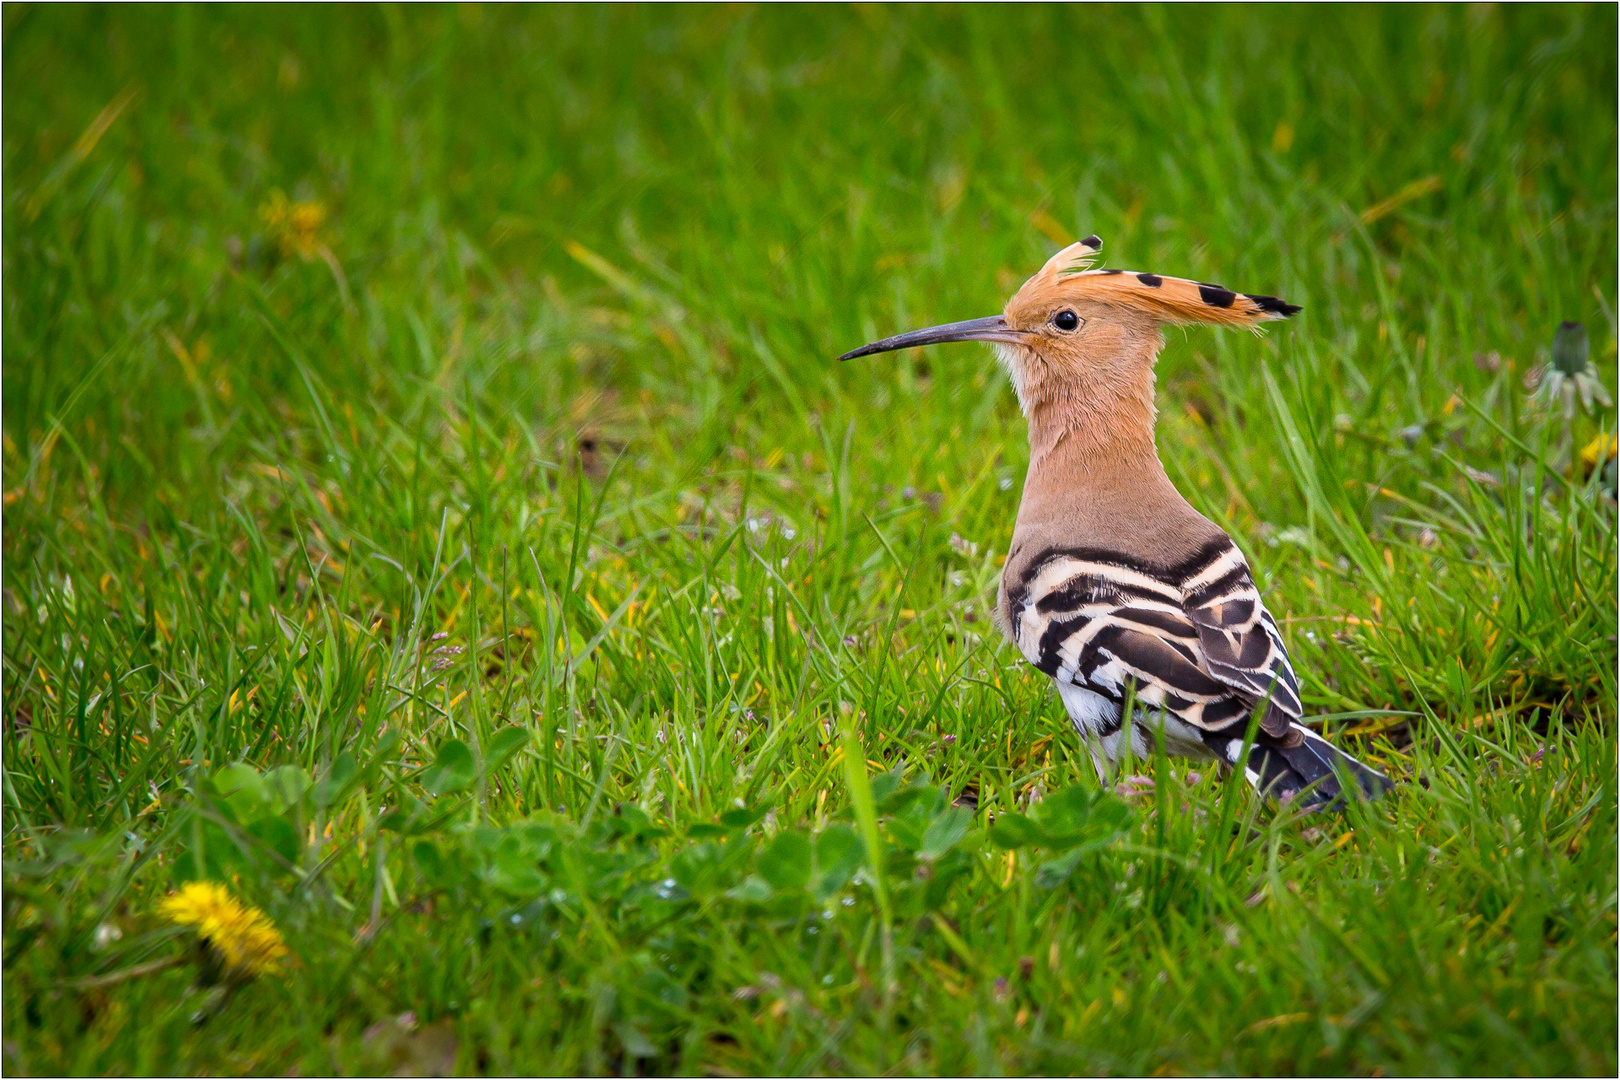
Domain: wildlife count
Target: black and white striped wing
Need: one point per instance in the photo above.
(1241, 643)
(1095, 620)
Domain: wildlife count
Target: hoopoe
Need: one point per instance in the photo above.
(1115, 586)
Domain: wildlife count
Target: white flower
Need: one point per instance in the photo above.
(1571, 375)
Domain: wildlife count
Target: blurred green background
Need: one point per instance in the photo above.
(388, 384)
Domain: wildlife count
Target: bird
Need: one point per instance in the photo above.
(1142, 611)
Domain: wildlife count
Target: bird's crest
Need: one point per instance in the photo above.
(1168, 299)
(1071, 260)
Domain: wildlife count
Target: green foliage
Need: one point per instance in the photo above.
(1070, 825)
(431, 507)
(453, 769)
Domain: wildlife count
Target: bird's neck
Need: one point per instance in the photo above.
(1095, 478)
(1092, 440)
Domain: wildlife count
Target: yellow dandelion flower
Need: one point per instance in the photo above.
(243, 937)
(295, 226)
(1597, 451)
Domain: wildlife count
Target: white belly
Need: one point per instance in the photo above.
(1093, 715)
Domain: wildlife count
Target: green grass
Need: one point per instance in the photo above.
(519, 505)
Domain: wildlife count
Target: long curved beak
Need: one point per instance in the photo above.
(989, 328)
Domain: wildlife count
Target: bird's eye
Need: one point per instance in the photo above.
(1066, 320)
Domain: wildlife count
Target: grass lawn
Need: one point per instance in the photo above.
(432, 511)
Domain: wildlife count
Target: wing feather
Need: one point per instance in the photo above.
(1243, 647)
(1197, 643)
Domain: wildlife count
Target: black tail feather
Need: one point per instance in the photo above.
(1313, 770)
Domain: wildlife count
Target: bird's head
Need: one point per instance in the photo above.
(1081, 335)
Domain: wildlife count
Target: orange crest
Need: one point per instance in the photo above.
(1167, 299)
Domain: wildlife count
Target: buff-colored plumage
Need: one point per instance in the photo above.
(1141, 610)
